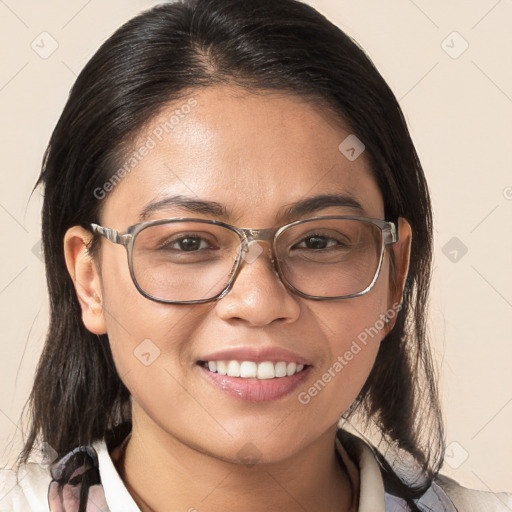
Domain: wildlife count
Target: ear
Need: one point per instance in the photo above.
(400, 255)
(86, 278)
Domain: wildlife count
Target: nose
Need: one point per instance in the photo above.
(258, 296)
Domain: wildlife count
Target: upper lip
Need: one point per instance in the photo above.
(258, 355)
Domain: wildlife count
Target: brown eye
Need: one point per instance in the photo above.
(318, 242)
(187, 244)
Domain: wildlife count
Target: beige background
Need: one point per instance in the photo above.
(459, 108)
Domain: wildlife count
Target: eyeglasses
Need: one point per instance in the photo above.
(186, 260)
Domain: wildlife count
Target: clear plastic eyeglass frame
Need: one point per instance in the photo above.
(389, 236)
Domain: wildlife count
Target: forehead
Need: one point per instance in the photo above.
(254, 154)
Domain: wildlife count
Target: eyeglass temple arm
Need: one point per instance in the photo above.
(390, 234)
(110, 234)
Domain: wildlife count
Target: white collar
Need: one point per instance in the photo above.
(117, 495)
(365, 477)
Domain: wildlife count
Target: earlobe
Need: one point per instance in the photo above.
(86, 279)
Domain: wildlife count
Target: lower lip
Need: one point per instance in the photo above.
(256, 390)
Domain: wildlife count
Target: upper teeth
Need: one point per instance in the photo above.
(252, 370)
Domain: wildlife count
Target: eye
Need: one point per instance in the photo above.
(318, 242)
(187, 243)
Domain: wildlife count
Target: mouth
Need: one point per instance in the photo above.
(254, 381)
(264, 370)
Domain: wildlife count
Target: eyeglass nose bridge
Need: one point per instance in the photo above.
(250, 236)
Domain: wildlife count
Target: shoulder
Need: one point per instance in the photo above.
(26, 490)
(447, 495)
(87, 470)
(470, 500)
(442, 495)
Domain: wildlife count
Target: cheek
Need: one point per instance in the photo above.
(144, 335)
(353, 330)
(152, 355)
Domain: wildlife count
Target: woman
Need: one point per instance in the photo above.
(277, 239)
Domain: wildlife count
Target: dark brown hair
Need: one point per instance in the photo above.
(261, 45)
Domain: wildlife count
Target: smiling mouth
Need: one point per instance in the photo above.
(264, 370)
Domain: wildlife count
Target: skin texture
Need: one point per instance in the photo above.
(254, 154)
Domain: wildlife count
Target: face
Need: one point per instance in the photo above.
(255, 156)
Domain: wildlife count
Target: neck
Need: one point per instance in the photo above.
(158, 469)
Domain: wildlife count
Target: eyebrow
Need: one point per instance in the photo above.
(295, 210)
(186, 203)
(313, 204)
